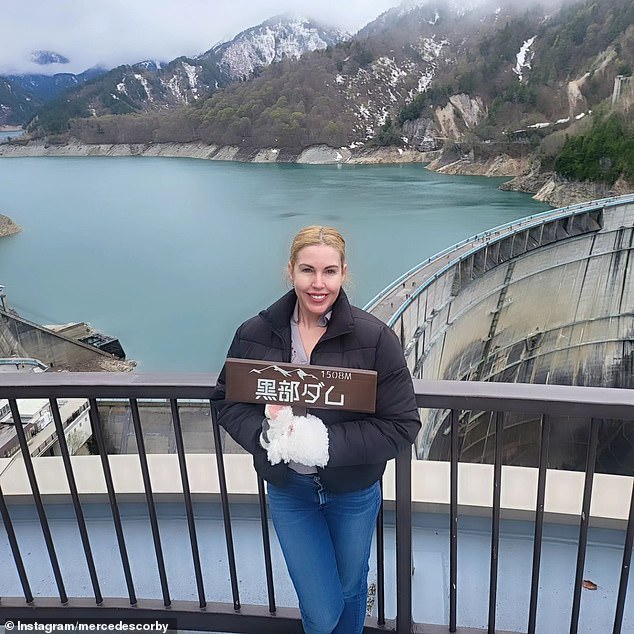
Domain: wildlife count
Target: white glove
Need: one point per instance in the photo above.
(287, 438)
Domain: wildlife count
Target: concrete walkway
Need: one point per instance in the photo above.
(386, 304)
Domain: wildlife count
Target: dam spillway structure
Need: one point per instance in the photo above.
(546, 299)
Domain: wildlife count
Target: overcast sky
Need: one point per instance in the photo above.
(113, 32)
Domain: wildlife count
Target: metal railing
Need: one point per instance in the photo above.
(593, 404)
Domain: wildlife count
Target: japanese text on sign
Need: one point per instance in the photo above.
(289, 392)
(252, 381)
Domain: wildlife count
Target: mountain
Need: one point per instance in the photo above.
(413, 58)
(152, 87)
(21, 96)
(44, 58)
(479, 79)
(281, 37)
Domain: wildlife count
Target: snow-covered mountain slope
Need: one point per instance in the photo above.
(152, 85)
(272, 41)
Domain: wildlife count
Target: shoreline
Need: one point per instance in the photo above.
(314, 155)
(523, 176)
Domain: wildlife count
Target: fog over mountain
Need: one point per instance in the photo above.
(115, 32)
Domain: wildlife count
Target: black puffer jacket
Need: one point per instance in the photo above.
(359, 444)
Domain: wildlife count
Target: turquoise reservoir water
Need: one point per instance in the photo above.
(170, 255)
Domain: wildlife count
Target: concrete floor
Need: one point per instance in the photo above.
(430, 560)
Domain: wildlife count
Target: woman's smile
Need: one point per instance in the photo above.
(317, 276)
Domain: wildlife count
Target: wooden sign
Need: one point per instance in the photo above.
(303, 385)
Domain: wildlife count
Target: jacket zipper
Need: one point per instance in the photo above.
(286, 345)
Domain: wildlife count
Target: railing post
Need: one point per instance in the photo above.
(453, 518)
(495, 521)
(226, 513)
(72, 486)
(544, 448)
(149, 498)
(404, 542)
(97, 433)
(37, 498)
(266, 543)
(584, 523)
(625, 569)
(15, 549)
(380, 564)
(187, 499)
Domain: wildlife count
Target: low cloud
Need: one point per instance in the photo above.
(117, 32)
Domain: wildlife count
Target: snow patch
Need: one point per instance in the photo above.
(425, 80)
(192, 77)
(270, 43)
(387, 69)
(363, 112)
(375, 91)
(435, 19)
(146, 86)
(524, 58)
(430, 49)
(173, 86)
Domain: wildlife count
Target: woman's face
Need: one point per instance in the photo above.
(317, 276)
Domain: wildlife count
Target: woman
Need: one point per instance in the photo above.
(324, 505)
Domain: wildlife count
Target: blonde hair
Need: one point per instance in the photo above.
(316, 234)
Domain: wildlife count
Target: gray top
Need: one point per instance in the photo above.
(298, 353)
(299, 356)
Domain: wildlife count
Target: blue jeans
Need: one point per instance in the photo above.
(326, 539)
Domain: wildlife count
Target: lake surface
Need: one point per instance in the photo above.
(171, 255)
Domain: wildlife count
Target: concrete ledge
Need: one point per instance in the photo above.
(430, 485)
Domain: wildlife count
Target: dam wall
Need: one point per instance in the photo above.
(23, 338)
(549, 299)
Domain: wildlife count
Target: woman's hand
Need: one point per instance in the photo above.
(273, 411)
(287, 437)
(276, 428)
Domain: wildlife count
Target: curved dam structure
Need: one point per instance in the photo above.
(547, 299)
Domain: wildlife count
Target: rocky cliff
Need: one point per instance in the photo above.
(500, 165)
(560, 192)
(527, 176)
